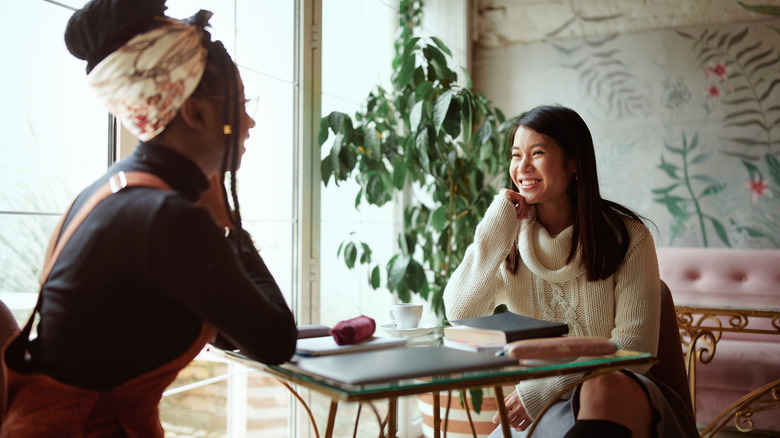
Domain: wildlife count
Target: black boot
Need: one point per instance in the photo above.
(598, 429)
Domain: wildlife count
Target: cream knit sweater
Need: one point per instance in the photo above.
(624, 307)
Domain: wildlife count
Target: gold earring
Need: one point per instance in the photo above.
(227, 129)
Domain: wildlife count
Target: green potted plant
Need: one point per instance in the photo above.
(431, 133)
(428, 132)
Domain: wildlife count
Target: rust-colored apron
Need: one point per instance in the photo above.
(40, 406)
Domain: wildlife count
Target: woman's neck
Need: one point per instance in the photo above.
(554, 218)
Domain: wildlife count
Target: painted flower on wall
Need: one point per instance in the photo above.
(716, 75)
(713, 91)
(718, 70)
(675, 94)
(758, 186)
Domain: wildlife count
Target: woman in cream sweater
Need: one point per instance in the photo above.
(553, 249)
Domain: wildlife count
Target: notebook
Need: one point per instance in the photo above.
(399, 363)
(326, 345)
(503, 328)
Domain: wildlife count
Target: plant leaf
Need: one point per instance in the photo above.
(665, 190)
(694, 141)
(766, 9)
(669, 168)
(439, 218)
(365, 257)
(350, 254)
(484, 132)
(415, 116)
(706, 179)
(323, 135)
(335, 151)
(751, 232)
(452, 120)
(399, 174)
(326, 170)
(421, 141)
(440, 109)
(774, 167)
(423, 90)
(720, 230)
(737, 38)
(374, 280)
(467, 76)
(396, 269)
(701, 158)
(712, 190)
(675, 205)
(753, 170)
(376, 192)
(476, 399)
(467, 116)
(373, 146)
(671, 148)
(442, 46)
(415, 276)
(406, 73)
(340, 123)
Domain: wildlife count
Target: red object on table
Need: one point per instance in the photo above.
(353, 330)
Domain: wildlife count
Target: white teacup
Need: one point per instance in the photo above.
(406, 316)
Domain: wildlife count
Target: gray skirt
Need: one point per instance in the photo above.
(671, 416)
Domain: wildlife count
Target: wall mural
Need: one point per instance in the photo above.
(686, 123)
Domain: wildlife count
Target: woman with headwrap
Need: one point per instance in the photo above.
(150, 263)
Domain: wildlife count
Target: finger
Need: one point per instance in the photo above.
(524, 424)
(513, 196)
(497, 415)
(522, 210)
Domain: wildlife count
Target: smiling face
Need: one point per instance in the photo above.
(541, 171)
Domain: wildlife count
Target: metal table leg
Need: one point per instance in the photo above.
(502, 411)
(331, 418)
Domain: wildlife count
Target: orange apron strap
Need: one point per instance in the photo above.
(17, 348)
(115, 183)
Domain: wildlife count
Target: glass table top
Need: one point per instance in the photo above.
(488, 377)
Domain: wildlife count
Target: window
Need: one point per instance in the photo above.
(261, 37)
(56, 143)
(59, 139)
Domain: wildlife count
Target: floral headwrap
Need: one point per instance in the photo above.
(146, 81)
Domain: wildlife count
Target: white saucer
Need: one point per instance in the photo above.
(392, 330)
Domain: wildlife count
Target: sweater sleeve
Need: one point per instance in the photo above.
(638, 296)
(474, 285)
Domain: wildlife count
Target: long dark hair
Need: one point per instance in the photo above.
(598, 223)
(221, 77)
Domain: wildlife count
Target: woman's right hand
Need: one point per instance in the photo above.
(518, 417)
(521, 208)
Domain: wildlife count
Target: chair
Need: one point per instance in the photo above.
(670, 368)
(8, 328)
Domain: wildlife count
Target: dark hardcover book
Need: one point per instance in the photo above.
(503, 328)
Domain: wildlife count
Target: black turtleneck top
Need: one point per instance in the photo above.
(131, 288)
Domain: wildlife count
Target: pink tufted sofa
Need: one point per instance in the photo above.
(730, 278)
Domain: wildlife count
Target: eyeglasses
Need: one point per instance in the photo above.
(250, 104)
